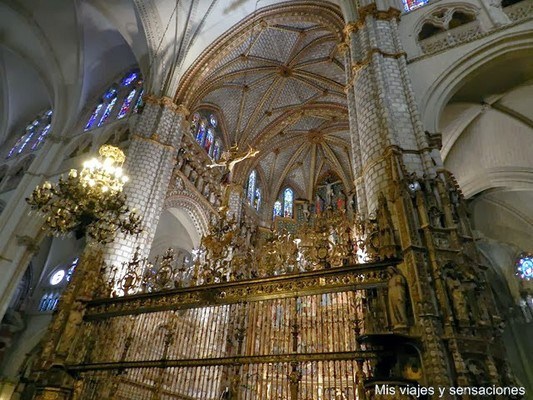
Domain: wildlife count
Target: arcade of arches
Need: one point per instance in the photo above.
(334, 195)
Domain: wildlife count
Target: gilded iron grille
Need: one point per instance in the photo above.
(286, 337)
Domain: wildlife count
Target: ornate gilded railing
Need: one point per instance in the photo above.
(295, 336)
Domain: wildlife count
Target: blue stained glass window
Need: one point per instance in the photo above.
(111, 92)
(200, 134)
(277, 209)
(71, 269)
(524, 266)
(251, 187)
(410, 5)
(139, 102)
(41, 137)
(49, 302)
(26, 140)
(107, 111)
(288, 198)
(129, 78)
(15, 147)
(38, 128)
(257, 201)
(126, 104)
(203, 128)
(93, 117)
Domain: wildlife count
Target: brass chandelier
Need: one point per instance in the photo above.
(89, 202)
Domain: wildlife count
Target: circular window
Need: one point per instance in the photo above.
(57, 277)
(524, 267)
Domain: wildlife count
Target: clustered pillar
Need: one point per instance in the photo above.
(149, 164)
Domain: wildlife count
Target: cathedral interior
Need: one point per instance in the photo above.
(266, 199)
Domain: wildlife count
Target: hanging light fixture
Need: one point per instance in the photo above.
(90, 202)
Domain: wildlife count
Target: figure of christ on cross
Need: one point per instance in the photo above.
(230, 158)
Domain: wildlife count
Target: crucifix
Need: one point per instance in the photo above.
(232, 157)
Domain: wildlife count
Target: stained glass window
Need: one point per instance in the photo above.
(277, 209)
(93, 117)
(107, 111)
(251, 187)
(127, 93)
(129, 78)
(41, 137)
(111, 93)
(26, 140)
(49, 301)
(126, 104)
(201, 134)
(253, 192)
(524, 266)
(203, 128)
(71, 269)
(216, 150)
(16, 146)
(410, 5)
(288, 198)
(209, 141)
(139, 102)
(257, 201)
(34, 134)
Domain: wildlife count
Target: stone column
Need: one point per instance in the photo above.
(149, 164)
(354, 134)
(385, 116)
(390, 147)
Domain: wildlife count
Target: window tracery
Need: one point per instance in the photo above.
(204, 130)
(127, 92)
(35, 133)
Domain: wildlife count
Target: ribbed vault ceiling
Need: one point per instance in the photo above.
(278, 86)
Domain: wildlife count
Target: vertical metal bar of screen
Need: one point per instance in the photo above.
(205, 335)
(210, 328)
(266, 322)
(252, 329)
(220, 322)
